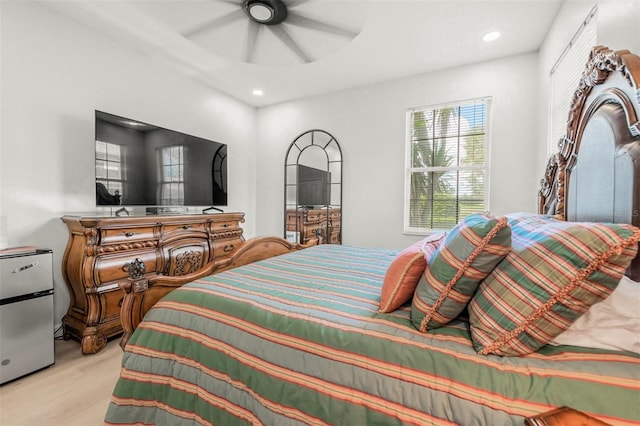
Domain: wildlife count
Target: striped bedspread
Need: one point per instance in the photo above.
(297, 340)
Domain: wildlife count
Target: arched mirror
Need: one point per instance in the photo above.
(313, 188)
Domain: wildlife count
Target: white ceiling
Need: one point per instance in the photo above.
(395, 38)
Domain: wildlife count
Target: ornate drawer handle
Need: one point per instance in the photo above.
(186, 226)
(136, 268)
(228, 248)
(25, 267)
(129, 234)
(225, 225)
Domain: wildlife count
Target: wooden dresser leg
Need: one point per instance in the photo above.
(92, 342)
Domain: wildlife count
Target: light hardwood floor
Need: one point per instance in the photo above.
(75, 391)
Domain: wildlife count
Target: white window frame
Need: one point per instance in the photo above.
(409, 169)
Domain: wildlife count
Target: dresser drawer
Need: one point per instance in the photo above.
(173, 230)
(224, 248)
(314, 216)
(112, 267)
(111, 300)
(227, 225)
(125, 235)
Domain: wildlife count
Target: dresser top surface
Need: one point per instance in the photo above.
(97, 220)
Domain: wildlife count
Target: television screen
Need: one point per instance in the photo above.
(139, 164)
(314, 187)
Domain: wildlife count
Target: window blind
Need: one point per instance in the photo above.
(446, 164)
(565, 76)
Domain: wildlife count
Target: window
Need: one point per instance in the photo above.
(172, 179)
(565, 76)
(109, 166)
(447, 166)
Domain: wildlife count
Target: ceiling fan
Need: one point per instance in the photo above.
(275, 16)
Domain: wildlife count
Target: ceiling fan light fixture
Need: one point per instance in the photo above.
(260, 12)
(267, 12)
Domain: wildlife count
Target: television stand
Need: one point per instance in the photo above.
(121, 211)
(208, 210)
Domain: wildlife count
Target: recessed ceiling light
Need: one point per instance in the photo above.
(491, 36)
(258, 92)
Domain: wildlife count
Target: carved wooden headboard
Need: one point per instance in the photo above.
(595, 176)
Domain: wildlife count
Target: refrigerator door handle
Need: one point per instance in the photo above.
(25, 267)
(23, 297)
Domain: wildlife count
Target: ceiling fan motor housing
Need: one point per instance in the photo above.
(267, 12)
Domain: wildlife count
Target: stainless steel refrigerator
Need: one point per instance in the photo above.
(26, 313)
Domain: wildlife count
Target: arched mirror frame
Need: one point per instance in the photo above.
(321, 151)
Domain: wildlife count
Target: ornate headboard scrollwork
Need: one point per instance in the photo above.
(595, 175)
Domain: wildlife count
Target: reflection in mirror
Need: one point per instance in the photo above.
(313, 156)
(219, 171)
(313, 188)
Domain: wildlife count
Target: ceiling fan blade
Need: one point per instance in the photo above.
(251, 40)
(284, 37)
(294, 3)
(223, 20)
(302, 21)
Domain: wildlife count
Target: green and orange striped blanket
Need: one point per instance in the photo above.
(298, 339)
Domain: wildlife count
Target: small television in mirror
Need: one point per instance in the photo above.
(314, 187)
(139, 164)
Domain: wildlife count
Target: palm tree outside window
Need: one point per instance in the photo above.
(447, 165)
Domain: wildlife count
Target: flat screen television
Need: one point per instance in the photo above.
(314, 187)
(139, 164)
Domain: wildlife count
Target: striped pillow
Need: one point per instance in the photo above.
(555, 271)
(405, 271)
(469, 253)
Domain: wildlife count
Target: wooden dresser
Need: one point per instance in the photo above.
(100, 250)
(323, 223)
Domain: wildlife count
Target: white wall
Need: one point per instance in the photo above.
(55, 72)
(369, 123)
(619, 24)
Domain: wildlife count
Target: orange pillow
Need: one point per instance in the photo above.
(405, 271)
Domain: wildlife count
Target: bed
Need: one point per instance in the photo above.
(301, 338)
